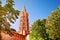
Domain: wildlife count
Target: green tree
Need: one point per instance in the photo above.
(38, 30)
(44, 34)
(7, 15)
(35, 30)
(53, 24)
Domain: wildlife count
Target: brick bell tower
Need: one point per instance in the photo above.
(24, 23)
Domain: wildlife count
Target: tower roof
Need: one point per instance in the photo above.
(24, 8)
(24, 12)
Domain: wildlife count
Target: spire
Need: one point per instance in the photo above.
(24, 22)
(24, 9)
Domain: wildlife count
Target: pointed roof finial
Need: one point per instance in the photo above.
(24, 9)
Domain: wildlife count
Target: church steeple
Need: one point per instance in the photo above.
(24, 22)
(24, 9)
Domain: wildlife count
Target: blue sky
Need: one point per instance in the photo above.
(37, 9)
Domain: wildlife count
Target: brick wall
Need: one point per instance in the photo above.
(15, 36)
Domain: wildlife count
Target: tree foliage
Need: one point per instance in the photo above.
(38, 30)
(53, 24)
(7, 14)
(35, 30)
(47, 29)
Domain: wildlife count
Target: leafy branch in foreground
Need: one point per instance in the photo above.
(7, 15)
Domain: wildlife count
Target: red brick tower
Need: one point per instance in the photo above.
(24, 23)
